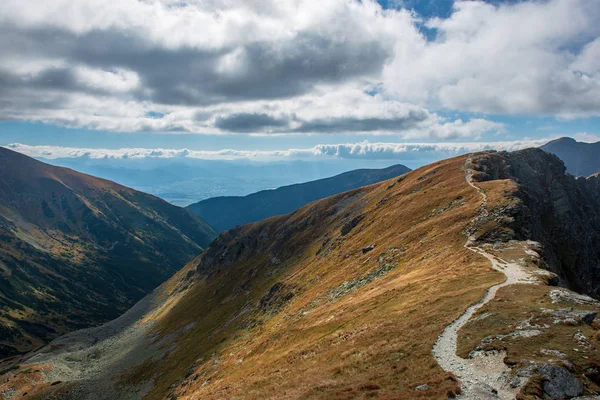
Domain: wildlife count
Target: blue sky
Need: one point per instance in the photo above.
(433, 8)
(296, 75)
(425, 8)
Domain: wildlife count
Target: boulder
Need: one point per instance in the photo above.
(589, 318)
(368, 248)
(559, 383)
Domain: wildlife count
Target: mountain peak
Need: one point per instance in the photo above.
(564, 139)
(580, 158)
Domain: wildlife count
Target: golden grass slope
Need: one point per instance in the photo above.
(295, 313)
(342, 299)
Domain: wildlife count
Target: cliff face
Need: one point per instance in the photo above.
(555, 209)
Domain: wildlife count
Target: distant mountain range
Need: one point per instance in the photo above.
(76, 250)
(229, 211)
(581, 159)
(183, 181)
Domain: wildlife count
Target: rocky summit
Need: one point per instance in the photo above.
(473, 277)
(555, 209)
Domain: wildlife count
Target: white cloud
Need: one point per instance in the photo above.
(361, 150)
(295, 66)
(117, 80)
(326, 111)
(586, 137)
(418, 150)
(524, 58)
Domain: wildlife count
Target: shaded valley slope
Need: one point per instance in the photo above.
(346, 298)
(76, 250)
(229, 211)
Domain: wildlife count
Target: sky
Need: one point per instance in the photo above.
(273, 80)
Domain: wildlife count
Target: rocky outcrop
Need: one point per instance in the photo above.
(555, 209)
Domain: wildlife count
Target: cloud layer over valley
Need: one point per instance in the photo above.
(360, 150)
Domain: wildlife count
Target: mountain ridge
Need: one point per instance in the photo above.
(580, 158)
(347, 296)
(76, 250)
(226, 212)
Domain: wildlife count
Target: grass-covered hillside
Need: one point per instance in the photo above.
(76, 250)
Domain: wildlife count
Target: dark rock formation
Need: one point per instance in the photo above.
(368, 248)
(555, 209)
(559, 383)
(589, 318)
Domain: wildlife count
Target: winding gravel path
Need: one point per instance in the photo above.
(485, 376)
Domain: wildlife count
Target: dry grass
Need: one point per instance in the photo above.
(29, 383)
(371, 342)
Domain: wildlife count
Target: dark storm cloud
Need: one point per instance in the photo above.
(51, 78)
(364, 124)
(261, 122)
(56, 79)
(249, 122)
(189, 76)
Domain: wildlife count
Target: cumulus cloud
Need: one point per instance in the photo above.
(199, 53)
(361, 150)
(532, 57)
(295, 66)
(586, 137)
(346, 110)
(390, 151)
